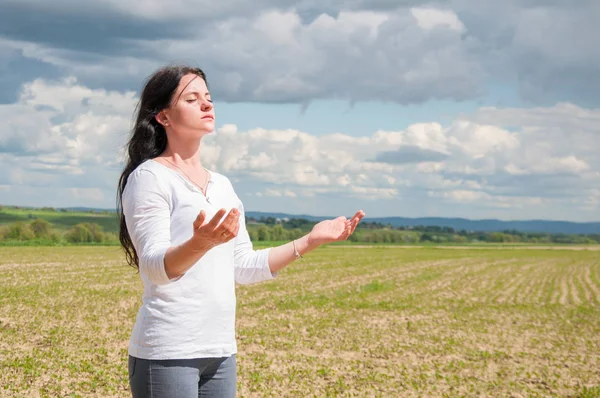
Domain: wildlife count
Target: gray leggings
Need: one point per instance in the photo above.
(183, 378)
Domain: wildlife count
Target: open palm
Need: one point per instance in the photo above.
(335, 230)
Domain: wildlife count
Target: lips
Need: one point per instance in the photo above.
(211, 117)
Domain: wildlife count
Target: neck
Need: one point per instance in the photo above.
(187, 153)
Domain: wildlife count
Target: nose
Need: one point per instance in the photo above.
(206, 105)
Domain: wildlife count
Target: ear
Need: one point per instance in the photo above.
(161, 118)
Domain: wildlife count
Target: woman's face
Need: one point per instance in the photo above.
(191, 112)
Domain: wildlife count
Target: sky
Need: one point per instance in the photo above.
(398, 107)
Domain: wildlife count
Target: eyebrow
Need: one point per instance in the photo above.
(195, 92)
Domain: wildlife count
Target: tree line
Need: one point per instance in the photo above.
(42, 231)
(376, 232)
(271, 229)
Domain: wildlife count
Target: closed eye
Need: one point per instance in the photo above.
(189, 101)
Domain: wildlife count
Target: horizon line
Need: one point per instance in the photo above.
(326, 217)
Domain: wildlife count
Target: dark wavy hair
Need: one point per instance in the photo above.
(148, 139)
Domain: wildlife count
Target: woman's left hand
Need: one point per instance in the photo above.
(335, 230)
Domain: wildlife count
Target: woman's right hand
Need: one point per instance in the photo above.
(213, 233)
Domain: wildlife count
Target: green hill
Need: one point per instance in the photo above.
(17, 225)
(61, 220)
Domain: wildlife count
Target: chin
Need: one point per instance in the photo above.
(206, 128)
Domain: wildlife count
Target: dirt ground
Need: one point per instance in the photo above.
(343, 321)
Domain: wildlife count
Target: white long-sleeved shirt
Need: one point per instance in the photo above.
(192, 316)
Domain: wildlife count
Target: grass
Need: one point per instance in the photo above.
(344, 321)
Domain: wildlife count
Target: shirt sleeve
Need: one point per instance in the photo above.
(148, 218)
(251, 265)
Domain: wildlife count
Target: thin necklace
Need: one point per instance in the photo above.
(202, 189)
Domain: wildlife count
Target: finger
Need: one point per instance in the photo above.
(356, 219)
(354, 225)
(212, 224)
(199, 219)
(351, 222)
(346, 234)
(358, 215)
(345, 231)
(226, 225)
(231, 219)
(233, 231)
(235, 225)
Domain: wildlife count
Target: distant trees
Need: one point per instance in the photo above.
(85, 233)
(20, 231)
(263, 233)
(41, 230)
(38, 231)
(276, 230)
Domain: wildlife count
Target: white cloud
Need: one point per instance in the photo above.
(298, 51)
(561, 115)
(559, 139)
(357, 56)
(273, 56)
(373, 193)
(484, 199)
(278, 193)
(466, 196)
(88, 194)
(568, 164)
(273, 192)
(181, 11)
(479, 140)
(549, 159)
(547, 49)
(430, 18)
(66, 136)
(484, 164)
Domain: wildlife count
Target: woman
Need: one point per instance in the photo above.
(183, 227)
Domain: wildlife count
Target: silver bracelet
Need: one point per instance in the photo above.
(298, 255)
